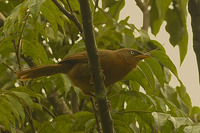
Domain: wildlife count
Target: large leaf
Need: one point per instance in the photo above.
(148, 73)
(178, 31)
(162, 6)
(25, 97)
(36, 51)
(115, 8)
(34, 7)
(138, 75)
(157, 69)
(165, 60)
(155, 22)
(17, 107)
(52, 14)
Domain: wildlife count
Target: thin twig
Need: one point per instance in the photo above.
(70, 8)
(48, 111)
(140, 5)
(71, 16)
(19, 43)
(134, 111)
(146, 15)
(96, 5)
(96, 114)
(7, 66)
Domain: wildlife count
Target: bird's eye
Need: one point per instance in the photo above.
(132, 52)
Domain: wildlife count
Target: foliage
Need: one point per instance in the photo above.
(36, 32)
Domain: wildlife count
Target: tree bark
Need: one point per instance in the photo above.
(94, 63)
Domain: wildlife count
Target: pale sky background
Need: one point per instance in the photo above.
(187, 72)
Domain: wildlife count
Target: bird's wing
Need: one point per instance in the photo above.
(80, 57)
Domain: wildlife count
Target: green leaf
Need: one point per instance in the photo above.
(7, 118)
(74, 4)
(179, 121)
(121, 126)
(183, 45)
(177, 29)
(128, 39)
(137, 75)
(17, 107)
(192, 129)
(148, 73)
(78, 47)
(26, 98)
(165, 60)
(9, 24)
(157, 70)
(115, 9)
(160, 119)
(185, 98)
(52, 14)
(36, 51)
(34, 7)
(2, 69)
(108, 3)
(162, 6)
(100, 18)
(195, 112)
(27, 91)
(6, 47)
(153, 44)
(155, 22)
(81, 118)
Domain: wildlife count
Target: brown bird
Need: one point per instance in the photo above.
(115, 66)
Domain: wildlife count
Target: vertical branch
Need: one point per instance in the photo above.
(19, 43)
(193, 7)
(74, 103)
(90, 43)
(96, 114)
(146, 15)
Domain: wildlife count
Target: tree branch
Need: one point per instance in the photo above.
(74, 103)
(71, 16)
(94, 63)
(58, 103)
(2, 19)
(146, 15)
(193, 7)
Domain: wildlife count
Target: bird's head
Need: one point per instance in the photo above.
(131, 56)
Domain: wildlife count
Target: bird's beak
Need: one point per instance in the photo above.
(142, 56)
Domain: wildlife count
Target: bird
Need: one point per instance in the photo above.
(115, 65)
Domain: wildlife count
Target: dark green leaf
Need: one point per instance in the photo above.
(25, 97)
(178, 31)
(165, 60)
(34, 7)
(52, 14)
(148, 74)
(184, 97)
(155, 22)
(2, 69)
(116, 8)
(157, 70)
(17, 107)
(162, 6)
(36, 51)
(137, 75)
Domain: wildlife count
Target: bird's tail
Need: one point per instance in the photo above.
(39, 71)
